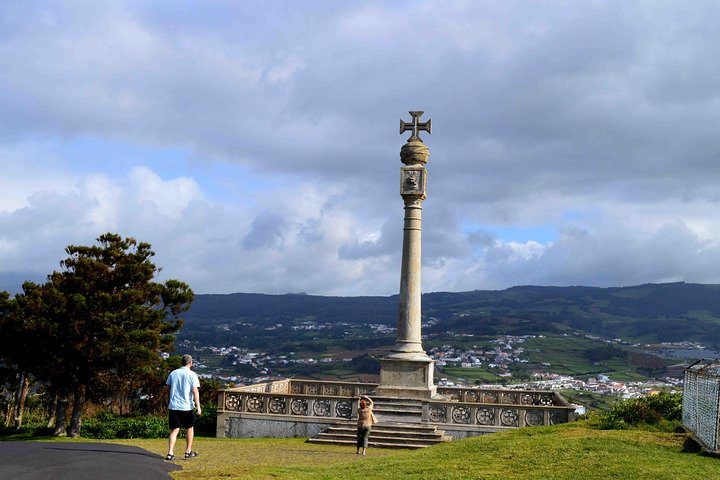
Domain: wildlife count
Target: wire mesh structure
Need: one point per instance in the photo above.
(701, 403)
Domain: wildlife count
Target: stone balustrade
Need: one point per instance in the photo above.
(503, 396)
(310, 387)
(279, 386)
(494, 415)
(456, 406)
(282, 404)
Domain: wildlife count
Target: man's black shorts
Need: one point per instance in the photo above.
(181, 419)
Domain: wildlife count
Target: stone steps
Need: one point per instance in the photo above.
(389, 431)
(371, 443)
(396, 401)
(389, 409)
(384, 435)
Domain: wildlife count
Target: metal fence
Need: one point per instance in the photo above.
(701, 402)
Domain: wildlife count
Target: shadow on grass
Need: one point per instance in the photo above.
(26, 434)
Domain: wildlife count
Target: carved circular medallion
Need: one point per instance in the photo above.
(298, 406)
(485, 416)
(527, 399)
(509, 417)
(254, 404)
(232, 402)
(546, 400)
(343, 409)
(438, 414)
(534, 418)
(277, 405)
(321, 408)
(461, 414)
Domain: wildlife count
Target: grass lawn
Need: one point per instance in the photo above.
(572, 452)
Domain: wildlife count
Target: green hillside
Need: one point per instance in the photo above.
(649, 313)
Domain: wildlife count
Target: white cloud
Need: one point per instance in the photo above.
(285, 70)
(598, 120)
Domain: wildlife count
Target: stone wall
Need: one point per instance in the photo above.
(263, 426)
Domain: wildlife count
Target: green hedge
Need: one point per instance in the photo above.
(207, 422)
(109, 425)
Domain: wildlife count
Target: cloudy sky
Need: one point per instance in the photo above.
(255, 144)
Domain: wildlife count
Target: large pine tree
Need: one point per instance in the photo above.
(99, 324)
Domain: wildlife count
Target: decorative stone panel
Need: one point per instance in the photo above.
(299, 406)
(321, 408)
(509, 417)
(485, 416)
(232, 402)
(343, 409)
(438, 413)
(254, 404)
(277, 405)
(534, 418)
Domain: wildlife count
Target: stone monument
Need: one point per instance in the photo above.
(411, 414)
(408, 370)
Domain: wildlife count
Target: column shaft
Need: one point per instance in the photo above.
(410, 312)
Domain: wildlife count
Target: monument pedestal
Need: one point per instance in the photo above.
(406, 377)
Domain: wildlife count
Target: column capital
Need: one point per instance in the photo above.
(414, 152)
(413, 182)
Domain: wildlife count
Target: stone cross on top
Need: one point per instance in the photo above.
(416, 126)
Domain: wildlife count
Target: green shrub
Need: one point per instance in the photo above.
(108, 425)
(660, 411)
(27, 430)
(207, 422)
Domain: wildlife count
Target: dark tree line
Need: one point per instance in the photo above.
(93, 332)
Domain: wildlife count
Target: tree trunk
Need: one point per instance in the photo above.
(60, 415)
(22, 396)
(53, 410)
(9, 410)
(76, 418)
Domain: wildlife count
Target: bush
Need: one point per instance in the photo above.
(108, 425)
(661, 411)
(207, 422)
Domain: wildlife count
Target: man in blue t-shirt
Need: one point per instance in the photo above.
(184, 397)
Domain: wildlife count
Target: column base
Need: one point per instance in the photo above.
(406, 376)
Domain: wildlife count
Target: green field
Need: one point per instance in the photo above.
(471, 375)
(568, 355)
(571, 451)
(591, 400)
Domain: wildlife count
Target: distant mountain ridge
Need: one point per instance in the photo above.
(650, 312)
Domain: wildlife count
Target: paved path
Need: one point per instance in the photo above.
(80, 461)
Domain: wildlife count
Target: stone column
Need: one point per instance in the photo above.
(413, 176)
(408, 371)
